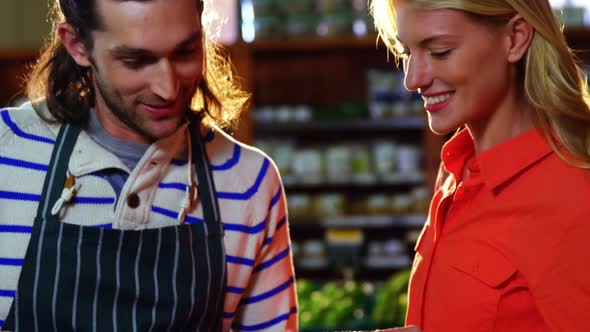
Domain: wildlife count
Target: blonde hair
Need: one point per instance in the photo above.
(555, 86)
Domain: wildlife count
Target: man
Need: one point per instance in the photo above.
(121, 208)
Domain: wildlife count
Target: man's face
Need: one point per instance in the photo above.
(147, 60)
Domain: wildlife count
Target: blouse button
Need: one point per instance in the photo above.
(133, 201)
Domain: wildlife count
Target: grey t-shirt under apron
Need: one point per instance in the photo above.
(128, 152)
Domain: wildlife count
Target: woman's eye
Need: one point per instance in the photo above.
(440, 54)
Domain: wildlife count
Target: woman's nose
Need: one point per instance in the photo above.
(417, 74)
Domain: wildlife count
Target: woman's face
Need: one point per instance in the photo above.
(457, 64)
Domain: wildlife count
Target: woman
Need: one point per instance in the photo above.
(510, 213)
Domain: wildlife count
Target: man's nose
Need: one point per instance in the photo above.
(166, 83)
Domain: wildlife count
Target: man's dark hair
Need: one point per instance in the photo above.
(67, 87)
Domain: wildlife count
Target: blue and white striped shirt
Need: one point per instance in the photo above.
(261, 283)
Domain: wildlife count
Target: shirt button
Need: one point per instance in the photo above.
(133, 200)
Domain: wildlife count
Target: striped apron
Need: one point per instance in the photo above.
(80, 278)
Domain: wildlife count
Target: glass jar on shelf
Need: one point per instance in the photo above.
(302, 113)
(420, 200)
(299, 206)
(572, 15)
(338, 163)
(269, 27)
(401, 203)
(302, 25)
(261, 20)
(337, 24)
(298, 7)
(329, 205)
(282, 154)
(384, 158)
(330, 6)
(379, 205)
(408, 158)
(262, 7)
(361, 164)
(308, 165)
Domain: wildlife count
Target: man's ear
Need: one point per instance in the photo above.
(73, 44)
(519, 37)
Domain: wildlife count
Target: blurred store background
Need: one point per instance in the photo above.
(357, 160)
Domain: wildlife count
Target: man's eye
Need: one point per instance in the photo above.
(188, 54)
(131, 63)
(134, 63)
(188, 51)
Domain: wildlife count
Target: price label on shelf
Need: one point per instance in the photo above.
(350, 236)
(344, 247)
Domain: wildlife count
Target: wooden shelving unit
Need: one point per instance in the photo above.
(323, 72)
(319, 72)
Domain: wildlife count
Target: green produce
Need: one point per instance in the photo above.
(337, 305)
(304, 289)
(391, 301)
(340, 313)
(319, 305)
(403, 307)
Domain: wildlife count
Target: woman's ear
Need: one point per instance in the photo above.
(519, 37)
(73, 44)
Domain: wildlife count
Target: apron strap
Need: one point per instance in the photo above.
(214, 227)
(54, 180)
(206, 185)
(58, 167)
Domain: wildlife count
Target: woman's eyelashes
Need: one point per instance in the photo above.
(440, 54)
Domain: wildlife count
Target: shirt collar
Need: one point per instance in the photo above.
(89, 157)
(499, 163)
(456, 151)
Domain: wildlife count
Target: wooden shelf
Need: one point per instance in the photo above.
(575, 35)
(402, 123)
(369, 264)
(365, 273)
(578, 34)
(315, 44)
(377, 222)
(578, 39)
(18, 54)
(373, 183)
(13, 66)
